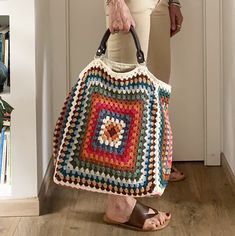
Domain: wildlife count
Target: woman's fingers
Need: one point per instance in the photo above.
(173, 17)
(176, 19)
(179, 18)
(118, 25)
(126, 25)
(115, 25)
(174, 32)
(133, 22)
(178, 23)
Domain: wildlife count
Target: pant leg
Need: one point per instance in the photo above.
(153, 28)
(159, 57)
(120, 46)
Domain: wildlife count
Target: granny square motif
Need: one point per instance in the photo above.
(113, 134)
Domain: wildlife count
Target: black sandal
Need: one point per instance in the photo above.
(138, 217)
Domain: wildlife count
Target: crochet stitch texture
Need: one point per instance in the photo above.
(113, 134)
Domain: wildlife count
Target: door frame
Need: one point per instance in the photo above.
(212, 75)
(213, 81)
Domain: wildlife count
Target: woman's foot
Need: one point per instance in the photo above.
(120, 208)
(176, 175)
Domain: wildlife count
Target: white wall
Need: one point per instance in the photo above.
(57, 23)
(22, 98)
(51, 58)
(229, 82)
(84, 35)
(43, 88)
(51, 76)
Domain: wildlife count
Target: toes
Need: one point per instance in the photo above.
(162, 219)
(152, 223)
(164, 216)
(157, 220)
(155, 225)
(149, 224)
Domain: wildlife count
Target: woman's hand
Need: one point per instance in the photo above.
(176, 19)
(120, 18)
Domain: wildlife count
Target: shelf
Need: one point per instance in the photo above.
(4, 7)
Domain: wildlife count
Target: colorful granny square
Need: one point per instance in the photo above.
(114, 135)
(113, 128)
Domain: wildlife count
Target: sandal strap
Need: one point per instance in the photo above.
(140, 214)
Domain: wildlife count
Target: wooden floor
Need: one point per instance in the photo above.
(202, 204)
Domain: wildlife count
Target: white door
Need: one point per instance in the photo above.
(191, 105)
(186, 105)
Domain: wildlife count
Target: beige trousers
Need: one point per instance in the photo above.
(153, 29)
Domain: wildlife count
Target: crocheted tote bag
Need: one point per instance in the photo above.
(113, 134)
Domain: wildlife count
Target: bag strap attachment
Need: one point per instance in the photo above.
(139, 53)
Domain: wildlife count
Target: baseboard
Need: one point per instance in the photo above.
(228, 171)
(44, 192)
(30, 206)
(19, 207)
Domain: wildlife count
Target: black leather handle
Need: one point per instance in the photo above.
(139, 54)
